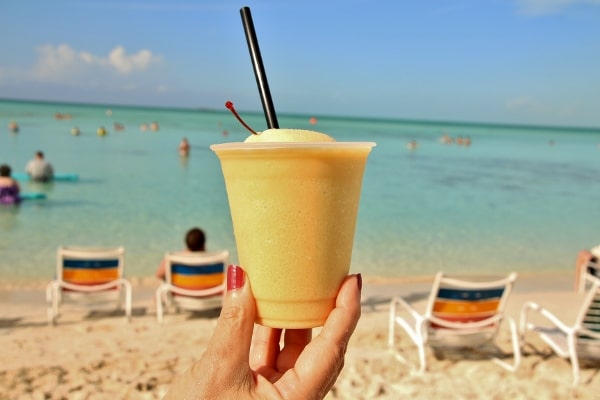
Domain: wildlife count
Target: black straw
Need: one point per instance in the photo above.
(259, 69)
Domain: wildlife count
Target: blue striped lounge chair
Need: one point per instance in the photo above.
(460, 314)
(574, 342)
(194, 281)
(90, 276)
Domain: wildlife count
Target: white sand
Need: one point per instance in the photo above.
(99, 356)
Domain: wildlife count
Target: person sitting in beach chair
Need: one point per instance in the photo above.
(195, 240)
(587, 263)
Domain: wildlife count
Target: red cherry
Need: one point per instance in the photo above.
(229, 105)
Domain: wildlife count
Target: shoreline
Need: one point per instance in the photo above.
(24, 283)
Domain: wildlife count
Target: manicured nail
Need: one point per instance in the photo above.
(235, 277)
(359, 281)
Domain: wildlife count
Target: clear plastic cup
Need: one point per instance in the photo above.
(294, 207)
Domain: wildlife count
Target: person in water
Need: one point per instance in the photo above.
(184, 147)
(9, 188)
(39, 169)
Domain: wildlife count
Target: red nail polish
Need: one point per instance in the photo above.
(359, 281)
(235, 277)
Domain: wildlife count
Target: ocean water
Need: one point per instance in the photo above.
(518, 198)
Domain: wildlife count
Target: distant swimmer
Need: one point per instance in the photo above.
(39, 169)
(75, 131)
(143, 127)
(117, 126)
(184, 147)
(9, 188)
(13, 127)
(154, 126)
(62, 116)
(412, 145)
(446, 139)
(312, 120)
(101, 131)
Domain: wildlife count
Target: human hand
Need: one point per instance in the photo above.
(244, 361)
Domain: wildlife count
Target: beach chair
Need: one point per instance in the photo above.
(460, 314)
(89, 276)
(193, 282)
(575, 342)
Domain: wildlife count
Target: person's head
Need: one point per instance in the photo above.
(39, 154)
(194, 239)
(4, 170)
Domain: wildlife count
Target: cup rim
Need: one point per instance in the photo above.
(289, 145)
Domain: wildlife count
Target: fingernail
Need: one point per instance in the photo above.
(359, 281)
(235, 277)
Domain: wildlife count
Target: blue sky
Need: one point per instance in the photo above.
(498, 61)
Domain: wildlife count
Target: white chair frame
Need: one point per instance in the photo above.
(193, 300)
(450, 334)
(567, 341)
(89, 295)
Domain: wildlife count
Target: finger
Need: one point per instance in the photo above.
(224, 365)
(295, 340)
(265, 348)
(319, 365)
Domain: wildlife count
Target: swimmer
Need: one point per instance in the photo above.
(412, 145)
(184, 147)
(446, 139)
(13, 127)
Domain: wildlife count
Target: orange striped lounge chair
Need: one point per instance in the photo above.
(581, 340)
(193, 282)
(460, 314)
(89, 276)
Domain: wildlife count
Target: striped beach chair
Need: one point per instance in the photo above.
(194, 281)
(460, 314)
(574, 342)
(88, 276)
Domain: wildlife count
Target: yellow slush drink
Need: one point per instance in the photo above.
(294, 199)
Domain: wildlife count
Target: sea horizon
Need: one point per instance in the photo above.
(439, 122)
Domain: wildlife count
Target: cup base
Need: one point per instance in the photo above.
(300, 315)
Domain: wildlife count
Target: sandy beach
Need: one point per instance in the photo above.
(97, 355)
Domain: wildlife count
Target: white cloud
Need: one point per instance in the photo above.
(125, 64)
(62, 62)
(543, 7)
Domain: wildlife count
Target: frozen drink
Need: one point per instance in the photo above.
(294, 199)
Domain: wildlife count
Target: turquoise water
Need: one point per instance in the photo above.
(519, 198)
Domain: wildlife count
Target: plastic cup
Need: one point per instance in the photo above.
(294, 208)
